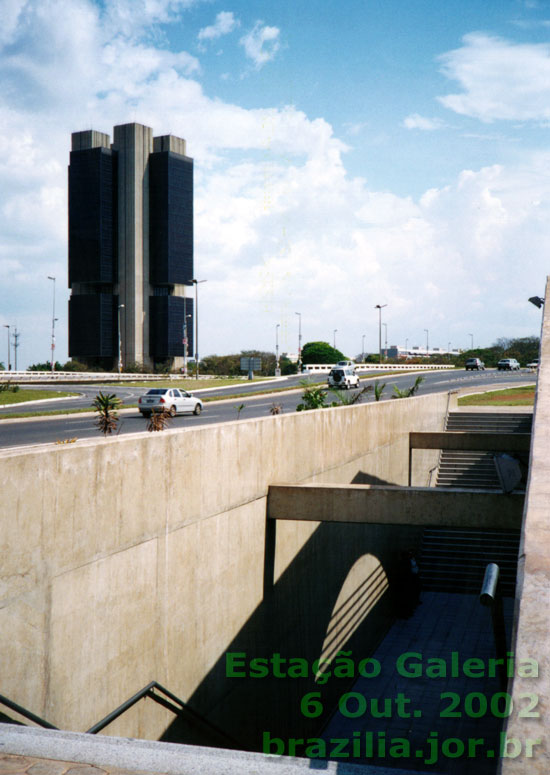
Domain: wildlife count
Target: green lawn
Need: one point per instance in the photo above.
(23, 395)
(521, 396)
(193, 384)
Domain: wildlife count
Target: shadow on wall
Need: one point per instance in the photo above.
(363, 478)
(335, 595)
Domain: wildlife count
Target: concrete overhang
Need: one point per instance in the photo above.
(392, 505)
(470, 441)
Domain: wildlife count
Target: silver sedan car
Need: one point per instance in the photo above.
(173, 400)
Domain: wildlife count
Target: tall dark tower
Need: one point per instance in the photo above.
(130, 248)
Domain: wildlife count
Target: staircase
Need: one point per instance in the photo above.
(454, 559)
(477, 469)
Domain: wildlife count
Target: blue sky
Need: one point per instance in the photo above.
(347, 154)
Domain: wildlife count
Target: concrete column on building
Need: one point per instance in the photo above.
(134, 143)
(89, 138)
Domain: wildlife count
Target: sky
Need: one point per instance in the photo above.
(347, 154)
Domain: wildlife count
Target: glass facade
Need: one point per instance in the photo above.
(170, 218)
(93, 325)
(92, 216)
(166, 327)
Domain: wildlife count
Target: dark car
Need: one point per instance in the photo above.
(474, 363)
(508, 364)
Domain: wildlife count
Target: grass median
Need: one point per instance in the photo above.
(520, 396)
(23, 395)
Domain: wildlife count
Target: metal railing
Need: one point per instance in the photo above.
(25, 713)
(154, 691)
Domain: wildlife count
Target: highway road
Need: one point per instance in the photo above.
(45, 430)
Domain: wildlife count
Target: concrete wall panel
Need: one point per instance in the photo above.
(116, 575)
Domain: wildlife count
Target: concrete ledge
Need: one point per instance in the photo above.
(395, 505)
(139, 755)
(487, 442)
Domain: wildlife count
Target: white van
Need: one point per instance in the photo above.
(343, 377)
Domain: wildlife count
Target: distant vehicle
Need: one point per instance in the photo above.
(351, 364)
(343, 377)
(174, 401)
(508, 364)
(474, 363)
(534, 364)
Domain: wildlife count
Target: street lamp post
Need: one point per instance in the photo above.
(407, 346)
(334, 338)
(15, 346)
(120, 306)
(472, 338)
(277, 365)
(385, 341)
(363, 347)
(53, 325)
(299, 341)
(185, 341)
(427, 342)
(9, 352)
(380, 307)
(196, 284)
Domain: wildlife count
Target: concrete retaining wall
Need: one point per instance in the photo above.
(528, 750)
(145, 557)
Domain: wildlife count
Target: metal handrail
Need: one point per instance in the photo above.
(178, 707)
(173, 703)
(26, 713)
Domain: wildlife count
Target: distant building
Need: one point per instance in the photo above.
(396, 351)
(130, 248)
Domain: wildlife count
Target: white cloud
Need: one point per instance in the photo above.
(224, 24)
(280, 225)
(415, 121)
(261, 44)
(133, 17)
(499, 79)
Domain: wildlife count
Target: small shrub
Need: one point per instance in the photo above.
(313, 397)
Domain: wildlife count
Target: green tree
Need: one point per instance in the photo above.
(321, 352)
(287, 366)
(73, 365)
(45, 366)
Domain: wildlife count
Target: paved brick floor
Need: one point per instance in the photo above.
(12, 764)
(442, 624)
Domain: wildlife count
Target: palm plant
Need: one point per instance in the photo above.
(106, 405)
(352, 398)
(408, 392)
(158, 421)
(378, 390)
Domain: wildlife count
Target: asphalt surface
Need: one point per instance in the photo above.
(44, 430)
